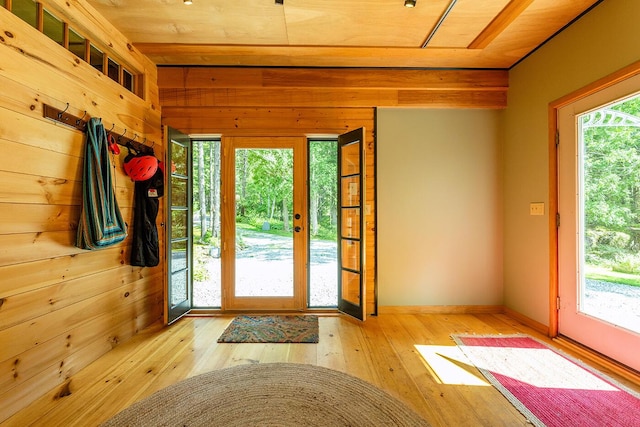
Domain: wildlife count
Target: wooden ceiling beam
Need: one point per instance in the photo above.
(324, 56)
(511, 11)
(349, 78)
(343, 98)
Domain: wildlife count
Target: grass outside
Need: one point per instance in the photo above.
(606, 275)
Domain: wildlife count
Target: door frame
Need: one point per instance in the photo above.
(553, 110)
(228, 233)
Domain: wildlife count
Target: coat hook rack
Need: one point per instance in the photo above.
(80, 123)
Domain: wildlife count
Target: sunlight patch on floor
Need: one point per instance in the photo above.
(448, 365)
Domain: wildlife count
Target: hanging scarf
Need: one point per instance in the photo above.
(101, 222)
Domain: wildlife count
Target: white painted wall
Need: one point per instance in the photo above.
(439, 202)
(600, 43)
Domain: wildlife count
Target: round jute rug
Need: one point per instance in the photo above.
(270, 394)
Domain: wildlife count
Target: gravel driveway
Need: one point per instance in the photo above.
(613, 302)
(264, 267)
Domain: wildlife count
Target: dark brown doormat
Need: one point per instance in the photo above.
(272, 329)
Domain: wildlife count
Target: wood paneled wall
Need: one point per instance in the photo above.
(316, 101)
(62, 307)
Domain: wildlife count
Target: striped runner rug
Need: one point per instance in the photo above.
(548, 387)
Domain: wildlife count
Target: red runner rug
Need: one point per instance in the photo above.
(548, 387)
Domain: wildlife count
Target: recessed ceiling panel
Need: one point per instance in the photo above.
(371, 23)
(253, 22)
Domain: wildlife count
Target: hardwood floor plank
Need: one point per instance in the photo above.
(392, 376)
(483, 405)
(403, 354)
(330, 353)
(303, 353)
(405, 333)
(358, 360)
(214, 356)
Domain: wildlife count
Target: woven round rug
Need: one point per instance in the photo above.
(270, 394)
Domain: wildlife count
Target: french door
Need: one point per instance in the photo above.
(267, 266)
(264, 271)
(351, 240)
(599, 234)
(179, 225)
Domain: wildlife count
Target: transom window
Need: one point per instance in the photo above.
(35, 14)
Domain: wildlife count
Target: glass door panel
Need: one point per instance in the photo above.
(350, 287)
(264, 215)
(350, 256)
(350, 223)
(179, 240)
(609, 283)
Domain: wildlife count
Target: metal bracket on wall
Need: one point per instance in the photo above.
(63, 117)
(80, 123)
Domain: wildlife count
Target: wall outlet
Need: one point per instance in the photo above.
(536, 208)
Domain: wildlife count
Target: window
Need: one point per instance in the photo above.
(113, 70)
(34, 14)
(27, 10)
(96, 58)
(53, 28)
(128, 80)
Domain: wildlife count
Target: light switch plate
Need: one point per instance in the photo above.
(536, 208)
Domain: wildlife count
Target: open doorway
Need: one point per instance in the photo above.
(265, 223)
(206, 223)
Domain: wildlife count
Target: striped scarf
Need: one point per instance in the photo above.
(101, 222)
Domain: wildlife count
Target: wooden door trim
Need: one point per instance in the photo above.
(553, 110)
(299, 299)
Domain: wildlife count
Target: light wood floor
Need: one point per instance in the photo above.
(382, 351)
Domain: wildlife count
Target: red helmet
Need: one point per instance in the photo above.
(140, 168)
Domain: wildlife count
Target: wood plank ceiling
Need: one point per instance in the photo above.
(340, 33)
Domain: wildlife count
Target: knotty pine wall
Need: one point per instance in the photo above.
(62, 307)
(256, 101)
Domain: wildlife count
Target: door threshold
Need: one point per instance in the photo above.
(612, 365)
(219, 312)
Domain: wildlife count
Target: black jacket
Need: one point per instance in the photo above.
(145, 251)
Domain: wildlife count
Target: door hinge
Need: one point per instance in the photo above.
(557, 219)
(557, 137)
(557, 303)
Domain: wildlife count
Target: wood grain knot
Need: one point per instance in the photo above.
(65, 390)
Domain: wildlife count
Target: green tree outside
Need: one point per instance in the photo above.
(611, 188)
